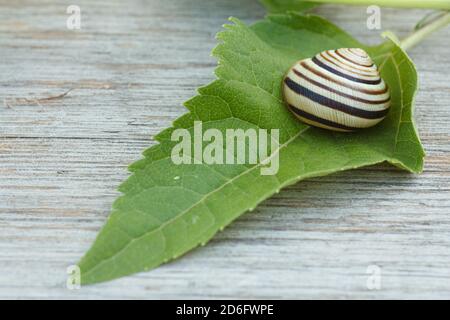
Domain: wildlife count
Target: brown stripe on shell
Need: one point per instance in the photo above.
(348, 59)
(342, 94)
(333, 104)
(356, 53)
(319, 120)
(349, 69)
(344, 84)
(320, 64)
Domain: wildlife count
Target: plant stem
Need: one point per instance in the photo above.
(430, 4)
(416, 37)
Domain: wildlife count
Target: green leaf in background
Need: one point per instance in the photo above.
(167, 210)
(282, 6)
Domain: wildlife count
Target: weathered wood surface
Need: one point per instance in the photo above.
(131, 66)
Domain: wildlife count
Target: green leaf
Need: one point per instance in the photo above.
(167, 210)
(282, 6)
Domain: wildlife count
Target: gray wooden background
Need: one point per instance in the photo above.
(131, 66)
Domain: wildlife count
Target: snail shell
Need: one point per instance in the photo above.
(339, 90)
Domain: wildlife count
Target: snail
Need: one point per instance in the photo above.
(339, 90)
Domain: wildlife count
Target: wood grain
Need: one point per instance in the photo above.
(130, 68)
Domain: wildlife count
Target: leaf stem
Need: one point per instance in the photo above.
(430, 4)
(420, 34)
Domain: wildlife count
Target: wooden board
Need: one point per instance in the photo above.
(131, 66)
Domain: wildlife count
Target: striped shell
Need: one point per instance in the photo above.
(339, 90)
